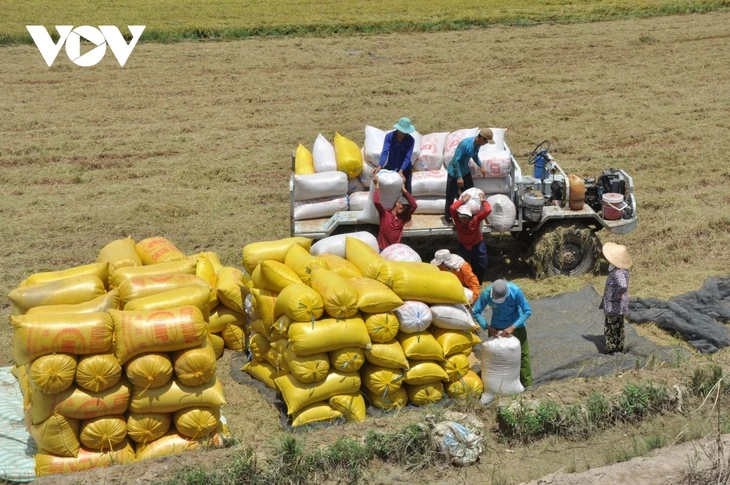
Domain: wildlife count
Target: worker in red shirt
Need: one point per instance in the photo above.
(469, 230)
(394, 220)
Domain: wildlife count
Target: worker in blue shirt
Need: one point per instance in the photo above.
(398, 150)
(459, 176)
(510, 310)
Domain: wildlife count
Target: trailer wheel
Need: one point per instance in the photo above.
(570, 250)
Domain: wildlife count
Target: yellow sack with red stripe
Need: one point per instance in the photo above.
(157, 331)
(144, 286)
(98, 269)
(77, 403)
(198, 297)
(82, 334)
(175, 396)
(69, 291)
(156, 250)
(170, 444)
(185, 266)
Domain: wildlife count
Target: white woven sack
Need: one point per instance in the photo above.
(453, 140)
(496, 163)
(374, 139)
(432, 152)
(323, 153)
(503, 213)
(416, 153)
(452, 317)
(336, 244)
(319, 185)
(367, 170)
(414, 316)
(355, 185)
(358, 200)
(319, 208)
(391, 184)
(468, 294)
(400, 252)
(430, 205)
(501, 359)
(494, 186)
(432, 182)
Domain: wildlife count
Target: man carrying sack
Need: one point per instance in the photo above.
(510, 311)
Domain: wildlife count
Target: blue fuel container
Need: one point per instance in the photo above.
(539, 166)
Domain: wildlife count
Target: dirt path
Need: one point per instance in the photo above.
(666, 466)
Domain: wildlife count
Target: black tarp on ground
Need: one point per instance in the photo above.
(565, 333)
(695, 315)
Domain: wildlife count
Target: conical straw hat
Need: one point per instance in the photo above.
(617, 255)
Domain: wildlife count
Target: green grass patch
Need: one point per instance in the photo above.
(184, 20)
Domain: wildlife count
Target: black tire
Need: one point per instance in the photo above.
(565, 250)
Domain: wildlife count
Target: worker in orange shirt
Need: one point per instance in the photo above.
(457, 265)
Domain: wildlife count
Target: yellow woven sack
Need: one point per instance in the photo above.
(280, 328)
(348, 155)
(98, 372)
(148, 371)
(299, 395)
(156, 250)
(275, 359)
(49, 464)
(339, 265)
(381, 380)
(387, 355)
(218, 344)
(147, 427)
(197, 422)
(352, 406)
(470, 385)
(421, 346)
(53, 373)
(349, 359)
(118, 254)
(212, 258)
(82, 334)
(157, 331)
(144, 286)
(186, 266)
(259, 345)
(339, 296)
(315, 413)
(265, 304)
(100, 270)
(419, 282)
(262, 371)
(198, 297)
(170, 444)
(195, 366)
(107, 301)
(365, 258)
(454, 341)
(325, 335)
(303, 161)
(394, 400)
(300, 303)
(175, 396)
(424, 372)
(256, 252)
(69, 291)
(78, 403)
(374, 297)
(382, 327)
(259, 327)
(103, 433)
(307, 369)
(205, 271)
(222, 316)
(230, 288)
(425, 394)
(57, 435)
(299, 259)
(24, 382)
(456, 366)
(274, 276)
(234, 338)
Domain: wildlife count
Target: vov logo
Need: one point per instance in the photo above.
(101, 37)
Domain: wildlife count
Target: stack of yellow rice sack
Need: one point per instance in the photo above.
(117, 359)
(329, 332)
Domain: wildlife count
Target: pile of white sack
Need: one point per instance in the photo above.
(337, 177)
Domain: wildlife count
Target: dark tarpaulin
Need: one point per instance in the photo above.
(695, 315)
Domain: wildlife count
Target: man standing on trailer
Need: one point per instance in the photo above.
(398, 150)
(459, 176)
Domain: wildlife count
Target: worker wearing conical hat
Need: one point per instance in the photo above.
(615, 302)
